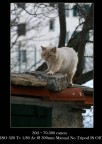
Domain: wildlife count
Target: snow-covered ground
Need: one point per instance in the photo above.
(88, 116)
(89, 84)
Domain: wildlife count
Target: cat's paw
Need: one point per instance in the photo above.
(70, 84)
(50, 73)
(46, 70)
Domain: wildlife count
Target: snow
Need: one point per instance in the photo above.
(89, 84)
(88, 116)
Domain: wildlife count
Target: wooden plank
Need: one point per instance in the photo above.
(86, 90)
(69, 94)
(47, 103)
(40, 102)
(56, 82)
(27, 80)
(89, 100)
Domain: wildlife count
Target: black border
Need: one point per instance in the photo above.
(5, 85)
(5, 66)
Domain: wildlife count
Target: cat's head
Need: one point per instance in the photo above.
(48, 53)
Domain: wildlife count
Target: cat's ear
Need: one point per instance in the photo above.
(43, 48)
(54, 49)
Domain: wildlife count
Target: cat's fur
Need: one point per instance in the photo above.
(62, 60)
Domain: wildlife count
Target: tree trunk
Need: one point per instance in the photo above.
(84, 77)
(62, 22)
(42, 67)
(88, 25)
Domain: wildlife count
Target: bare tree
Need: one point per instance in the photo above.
(62, 21)
(78, 43)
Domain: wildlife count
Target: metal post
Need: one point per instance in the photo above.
(35, 56)
(19, 57)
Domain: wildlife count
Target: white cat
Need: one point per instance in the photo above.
(62, 60)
